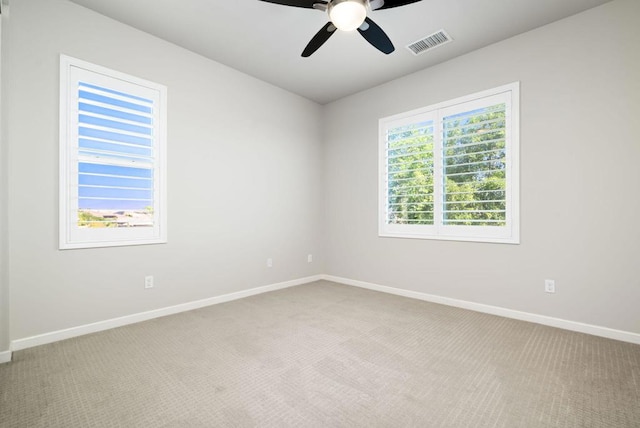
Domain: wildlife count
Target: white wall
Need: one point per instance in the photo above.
(4, 288)
(244, 175)
(580, 104)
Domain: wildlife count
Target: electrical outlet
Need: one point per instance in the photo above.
(148, 282)
(549, 286)
(269, 262)
(310, 258)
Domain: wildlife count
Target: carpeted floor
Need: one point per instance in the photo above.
(325, 355)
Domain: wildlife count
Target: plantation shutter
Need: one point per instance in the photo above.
(112, 151)
(115, 152)
(409, 173)
(474, 165)
(450, 171)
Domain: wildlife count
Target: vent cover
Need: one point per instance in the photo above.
(432, 41)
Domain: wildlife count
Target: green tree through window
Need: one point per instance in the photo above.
(450, 171)
(410, 172)
(474, 168)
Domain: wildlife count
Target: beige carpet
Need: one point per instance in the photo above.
(325, 355)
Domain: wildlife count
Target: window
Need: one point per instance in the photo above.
(450, 171)
(112, 158)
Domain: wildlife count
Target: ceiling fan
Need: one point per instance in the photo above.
(347, 15)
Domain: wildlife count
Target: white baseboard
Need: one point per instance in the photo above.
(5, 357)
(55, 336)
(595, 330)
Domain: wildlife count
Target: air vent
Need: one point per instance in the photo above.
(432, 41)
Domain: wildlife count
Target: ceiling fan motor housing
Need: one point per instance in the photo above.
(347, 15)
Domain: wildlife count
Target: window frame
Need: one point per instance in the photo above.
(508, 234)
(71, 236)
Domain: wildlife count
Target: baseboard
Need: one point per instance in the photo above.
(595, 330)
(55, 336)
(5, 357)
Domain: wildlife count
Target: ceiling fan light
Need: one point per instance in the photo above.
(347, 15)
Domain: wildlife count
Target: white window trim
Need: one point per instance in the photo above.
(509, 234)
(70, 236)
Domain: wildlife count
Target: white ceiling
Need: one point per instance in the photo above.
(265, 40)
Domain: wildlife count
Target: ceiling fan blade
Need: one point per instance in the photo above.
(296, 3)
(388, 4)
(319, 39)
(374, 35)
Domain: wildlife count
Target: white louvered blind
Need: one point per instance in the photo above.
(409, 178)
(115, 158)
(112, 158)
(450, 171)
(474, 167)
